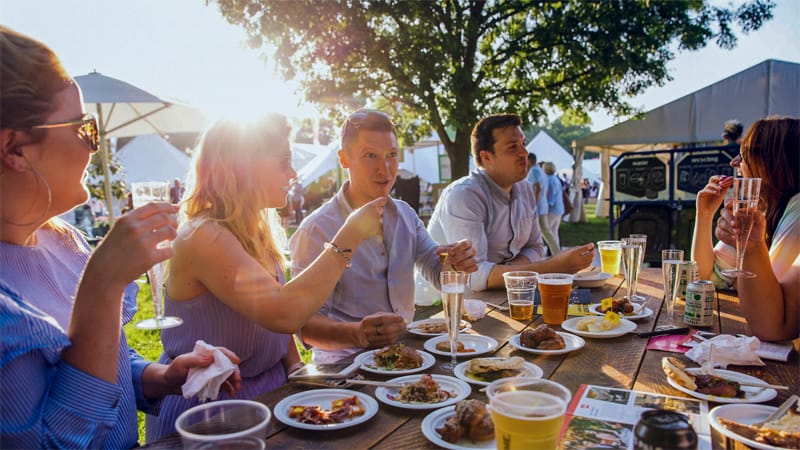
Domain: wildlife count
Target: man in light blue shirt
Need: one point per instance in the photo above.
(494, 207)
(538, 179)
(374, 299)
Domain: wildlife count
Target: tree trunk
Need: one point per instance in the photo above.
(459, 153)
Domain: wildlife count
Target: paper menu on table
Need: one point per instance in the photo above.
(600, 416)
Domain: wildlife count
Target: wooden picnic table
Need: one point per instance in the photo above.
(623, 362)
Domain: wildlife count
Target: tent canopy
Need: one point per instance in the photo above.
(151, 158)
(771, 87)
(547, 149)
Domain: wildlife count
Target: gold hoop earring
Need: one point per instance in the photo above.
(49, 199)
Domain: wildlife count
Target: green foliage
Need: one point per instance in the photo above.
(444, 64)
(96, 181)
(561, 129)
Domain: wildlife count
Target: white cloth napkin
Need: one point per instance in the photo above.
(739, 351)
(205, 383)
(474, 309)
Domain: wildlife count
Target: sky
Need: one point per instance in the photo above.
(184, 49)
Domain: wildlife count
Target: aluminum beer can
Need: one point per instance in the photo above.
(699, 310)
(688, 274)
(660, 429)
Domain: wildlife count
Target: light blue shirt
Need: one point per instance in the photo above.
(555, 196)
(501, 225)
(381, 276)
(47, 403)
(537, 175)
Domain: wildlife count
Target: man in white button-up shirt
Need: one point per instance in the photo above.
(494, 207)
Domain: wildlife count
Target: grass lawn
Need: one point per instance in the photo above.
(148, 343)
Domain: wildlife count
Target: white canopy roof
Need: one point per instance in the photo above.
(768, 88)
(151, 158)
(547, 149)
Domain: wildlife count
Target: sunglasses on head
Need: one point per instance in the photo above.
(369, 118)
(87, 130)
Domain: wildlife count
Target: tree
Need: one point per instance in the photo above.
(444, 64)
(562, 130)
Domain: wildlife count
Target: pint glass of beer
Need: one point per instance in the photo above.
(527, 412)
(555, 289)
(520, 289)
(610, 256)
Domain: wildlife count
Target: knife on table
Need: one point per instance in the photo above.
(663, 332)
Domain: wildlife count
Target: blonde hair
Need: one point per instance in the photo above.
(549, 168)
(224, 187)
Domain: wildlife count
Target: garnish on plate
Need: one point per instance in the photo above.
(426, 390)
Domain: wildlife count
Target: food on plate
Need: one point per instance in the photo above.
(599, 324)
(782, 432)
(436, 327)
(490, 369)
(341, 409)
(542, 338)
(617, 305)
(444, 346)
(704, 384)
(397, 356)
(426, 390)
(471, 420)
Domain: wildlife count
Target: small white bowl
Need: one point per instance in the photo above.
(591, 279)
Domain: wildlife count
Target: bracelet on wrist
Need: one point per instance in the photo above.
(345, 253)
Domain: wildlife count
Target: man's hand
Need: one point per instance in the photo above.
(379, 329)
(459, 256)
(575, 259)
(168, 379)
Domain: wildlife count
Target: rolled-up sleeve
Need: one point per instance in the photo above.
(462, 216)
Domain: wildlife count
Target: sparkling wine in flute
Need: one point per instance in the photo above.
(452, 302)
(746, 192)
(631, 261)
(671, 269)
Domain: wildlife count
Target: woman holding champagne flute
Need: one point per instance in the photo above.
(770, 300)
(226, 278)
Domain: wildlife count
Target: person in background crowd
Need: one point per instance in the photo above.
(494, 208)
(372, 302)
(732, 133)
(771, 300)
(226, 279)
(538, 179)
(176, 192)
(555, 203)
(67, 376)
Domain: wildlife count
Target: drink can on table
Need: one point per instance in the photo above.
(662, 429)
(688, 274)
(699, 311)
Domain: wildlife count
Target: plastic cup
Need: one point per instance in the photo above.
(555, 289)
(527, 412)
(520, 289)
(610, 256)
(234, 424)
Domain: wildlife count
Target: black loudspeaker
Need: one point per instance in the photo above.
(684, 230)
(653, 220)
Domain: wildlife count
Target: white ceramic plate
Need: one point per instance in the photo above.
(367, 363)
(745, 414)
(751, 394)
(643, 314)
(460, 388)
(591, 279)
(478, 343)
(324, 398)
(572, 343)
(625, 326)
(436, 419)
(460, 371)
(413, 327)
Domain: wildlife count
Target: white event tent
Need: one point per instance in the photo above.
(152, 158)
(771, 87)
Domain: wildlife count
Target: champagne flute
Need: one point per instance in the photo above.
(745, 206)
(143, 193)
(671, 261)
(631, 261)
(641, 240)
(453, 286)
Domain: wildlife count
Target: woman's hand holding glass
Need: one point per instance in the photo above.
(366, 221)
(726, 230)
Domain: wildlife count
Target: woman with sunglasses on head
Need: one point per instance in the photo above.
(770, 150)
(226, 278)
(67, 375)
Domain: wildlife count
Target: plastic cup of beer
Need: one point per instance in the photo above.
(610, 256)
(555, 289)
(520, 289)
(234, 424)
(527, 412)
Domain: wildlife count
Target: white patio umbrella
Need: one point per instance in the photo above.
(124, 110)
